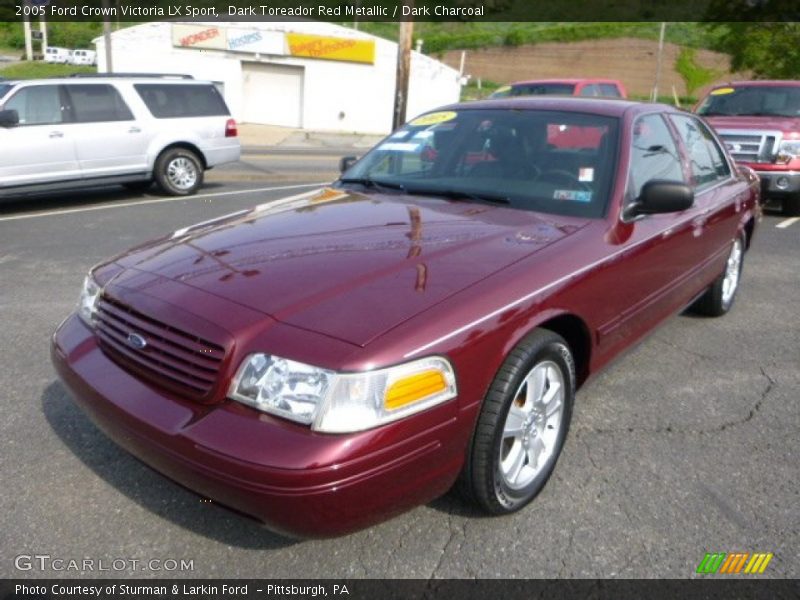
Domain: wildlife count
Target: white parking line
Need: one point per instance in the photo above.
(68, 211)
(787, 223)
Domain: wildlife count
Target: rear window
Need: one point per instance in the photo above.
(543, 89)
(167, 101)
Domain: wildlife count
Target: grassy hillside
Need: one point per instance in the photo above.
(35, 70)
(439, 37)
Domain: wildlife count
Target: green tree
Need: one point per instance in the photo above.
(769, 50)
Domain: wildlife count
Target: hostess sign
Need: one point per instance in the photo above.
(256, 41)
(260, 41)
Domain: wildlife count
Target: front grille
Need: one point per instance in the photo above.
(751, 146)
(173, 359)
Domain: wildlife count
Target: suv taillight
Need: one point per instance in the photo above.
(230, 128)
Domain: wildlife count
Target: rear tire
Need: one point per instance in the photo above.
(719, 298)
(791, 205)
(522, 425)
(179, 172)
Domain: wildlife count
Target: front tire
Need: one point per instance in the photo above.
(522, 425)
(791, 205)
(719, 298)
(178, 172)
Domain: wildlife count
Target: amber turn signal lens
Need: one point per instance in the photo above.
(414, 388)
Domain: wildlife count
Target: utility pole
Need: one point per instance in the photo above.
(107, 38)
(26, 27)
(659, 61)
(403, 69)
(43, 29)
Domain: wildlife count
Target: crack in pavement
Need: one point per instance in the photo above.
(771, 384)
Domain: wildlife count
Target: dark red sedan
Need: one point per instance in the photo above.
(327, 361)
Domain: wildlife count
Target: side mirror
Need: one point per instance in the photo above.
(659, 196)
(346, 162)
(9, 118)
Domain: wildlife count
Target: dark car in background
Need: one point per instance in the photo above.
(330, 360)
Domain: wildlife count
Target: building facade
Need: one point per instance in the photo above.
(304, 74)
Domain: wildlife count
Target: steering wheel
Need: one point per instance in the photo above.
(560, 176)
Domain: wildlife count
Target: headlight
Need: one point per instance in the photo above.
(788, 150)
(342, 402)
(87, 303)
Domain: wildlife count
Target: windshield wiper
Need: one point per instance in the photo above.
(461, 195)
(372, 183)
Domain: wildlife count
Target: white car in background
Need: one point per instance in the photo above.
(88, 131)
(83, 57)
(54, 54)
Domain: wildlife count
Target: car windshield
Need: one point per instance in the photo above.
(548, 161)
(762, 101)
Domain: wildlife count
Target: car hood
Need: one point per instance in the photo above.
(783, 124)
(346, 264)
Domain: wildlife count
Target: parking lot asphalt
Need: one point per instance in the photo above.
(688, 444)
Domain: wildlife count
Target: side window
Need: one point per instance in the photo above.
(654, 154)
(707, 161)
(609, 90)
(173, 101)
(591, 90)
(37, 105)
(97, 103)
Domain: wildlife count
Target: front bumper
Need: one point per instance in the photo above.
(296, 481)
(779, 182)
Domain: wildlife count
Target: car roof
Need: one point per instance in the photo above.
(564, 80)
(612, 107)
(177, 80)
(760, 83)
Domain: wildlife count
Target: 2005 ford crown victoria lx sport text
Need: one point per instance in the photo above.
(330, 360)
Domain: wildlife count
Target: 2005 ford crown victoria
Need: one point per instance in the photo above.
(327, 361)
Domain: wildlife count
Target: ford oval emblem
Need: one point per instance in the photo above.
(137, 341)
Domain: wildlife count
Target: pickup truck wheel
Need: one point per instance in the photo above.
(791, 205)
(719, 298)
(522, 425)
(179, 172)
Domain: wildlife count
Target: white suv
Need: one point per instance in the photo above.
(79, 132)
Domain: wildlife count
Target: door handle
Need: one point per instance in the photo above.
(134, 130)
(56, 134)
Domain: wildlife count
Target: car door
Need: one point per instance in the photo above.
(108, 140)
(715, 189)
(40, 149)
(647, 281)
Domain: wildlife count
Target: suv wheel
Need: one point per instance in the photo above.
(178, 172)
(791, 205)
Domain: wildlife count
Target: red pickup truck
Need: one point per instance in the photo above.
(759, 122)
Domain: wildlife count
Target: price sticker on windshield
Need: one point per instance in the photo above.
(434, 118)
(722, 91)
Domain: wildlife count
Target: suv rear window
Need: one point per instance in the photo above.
(167, 101)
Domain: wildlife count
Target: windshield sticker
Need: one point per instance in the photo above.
(434, 118)
(574, 195)
(400, 146)
(586, 174)
(400, 135)
(722, 91)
